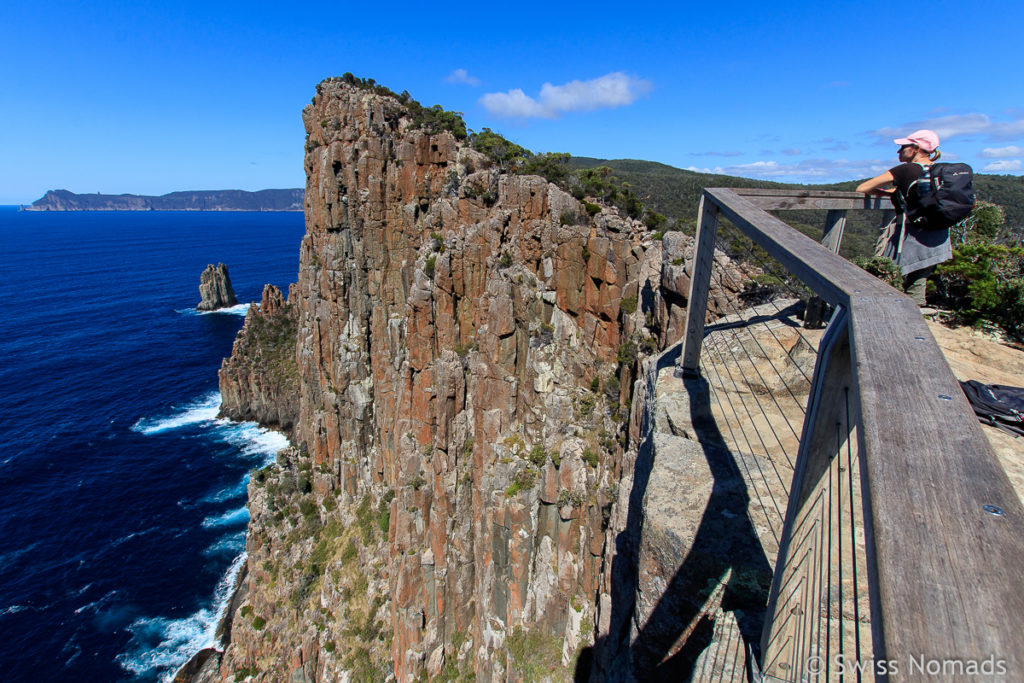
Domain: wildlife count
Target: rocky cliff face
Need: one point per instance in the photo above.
(465, 344)
(260, 381)
(215, 290)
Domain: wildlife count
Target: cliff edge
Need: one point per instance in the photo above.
(466, 344)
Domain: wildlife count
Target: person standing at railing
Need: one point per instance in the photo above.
(915, 249)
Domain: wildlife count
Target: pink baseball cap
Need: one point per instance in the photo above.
(927, 140)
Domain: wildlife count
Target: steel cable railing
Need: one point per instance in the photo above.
(854, 551)
(757, 392)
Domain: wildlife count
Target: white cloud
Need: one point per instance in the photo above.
(1005, 166)
(792, 152)
(960, 124)
(515, 104)
(1001, 152)
(462, 77)
(609, 91)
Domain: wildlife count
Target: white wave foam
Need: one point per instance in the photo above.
(178, 639)
(237, 309)
(12, 609)
(201, 410)
(96, 605)
(230, 544)
(229, 493)
(229, 518)
(253, 441)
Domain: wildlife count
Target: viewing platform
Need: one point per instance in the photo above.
(825, 490)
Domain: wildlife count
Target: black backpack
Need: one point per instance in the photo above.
(941, 197)
(997, 405)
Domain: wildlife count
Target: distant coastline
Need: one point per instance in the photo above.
(189, 200)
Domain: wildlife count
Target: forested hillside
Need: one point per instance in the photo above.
(675, 193)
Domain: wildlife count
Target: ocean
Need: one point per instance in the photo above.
(122, 496)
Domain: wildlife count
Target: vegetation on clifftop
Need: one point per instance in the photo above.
(432, 119)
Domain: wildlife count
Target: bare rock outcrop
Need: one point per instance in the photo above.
(465, 345)
(260, 381)
(215, 290)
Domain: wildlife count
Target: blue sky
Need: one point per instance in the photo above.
(154, 97)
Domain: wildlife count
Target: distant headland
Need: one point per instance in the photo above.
(189, 200)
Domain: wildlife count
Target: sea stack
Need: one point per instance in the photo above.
(215, 288)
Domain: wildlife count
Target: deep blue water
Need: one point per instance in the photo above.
(122, 497)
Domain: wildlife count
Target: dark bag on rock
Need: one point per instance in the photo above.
(941, 197)
(997, 405)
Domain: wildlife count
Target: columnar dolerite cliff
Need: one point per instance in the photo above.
(465, 345)
(261, 381)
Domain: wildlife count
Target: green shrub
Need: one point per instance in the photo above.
(365, 519)
(538, 456)
(627, 352)
(590, 457)
(655, 221)
(985, 282)
(463, 349)
(307, 508)
(245, 672)
(567, 497)
(885, 269)
(524, 479)
(535, 655)
(586, 404)
(611, 388)
(628, 305)
(258, 623)
(552, 166)
(507, 155)
(318, 557)
(982, 225)
(429, 265)
(349, 553)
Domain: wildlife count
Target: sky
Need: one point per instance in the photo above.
(153, 97)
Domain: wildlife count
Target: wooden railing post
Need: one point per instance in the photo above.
(835, 222)
(795, 597)
(700, 283)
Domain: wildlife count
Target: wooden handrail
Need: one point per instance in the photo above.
(944, 526)
(810, 199)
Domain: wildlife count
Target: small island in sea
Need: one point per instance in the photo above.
(188, 200)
